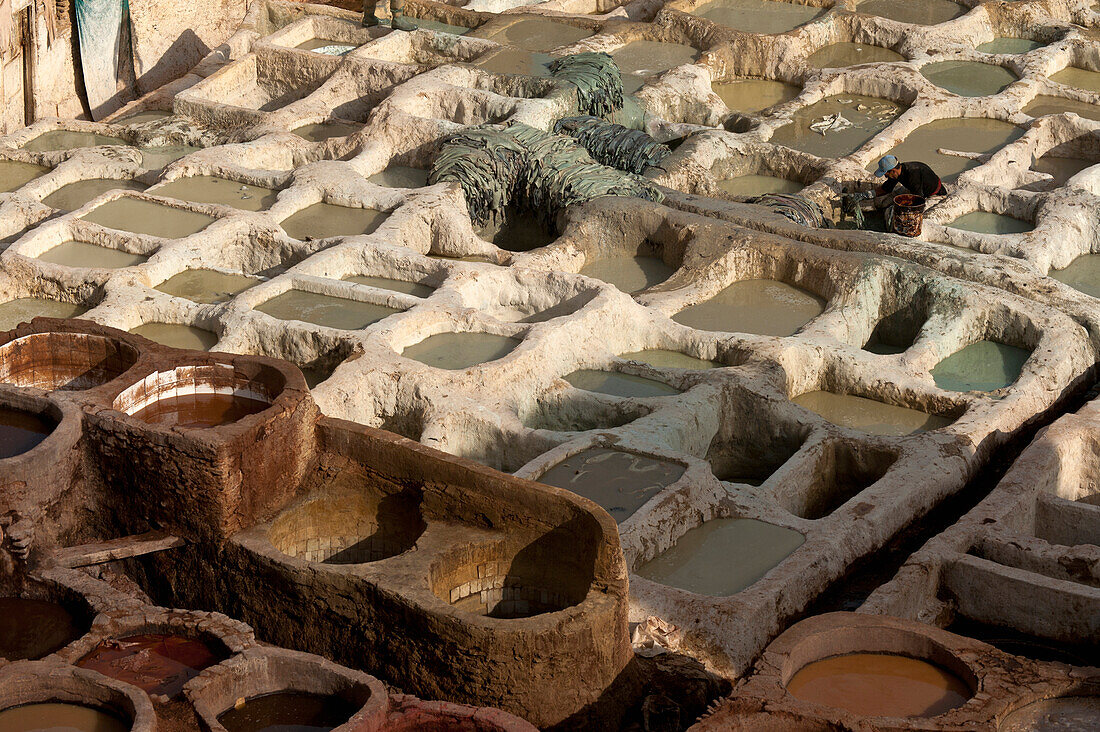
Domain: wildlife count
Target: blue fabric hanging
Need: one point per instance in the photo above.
(99, 29)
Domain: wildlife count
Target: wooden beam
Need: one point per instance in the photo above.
(86, 555)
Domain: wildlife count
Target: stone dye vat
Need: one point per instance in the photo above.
(176, 335)
(664, 359)
(22, 309)
(63, 361)
(324, 220)
(1082, 274)
(148, 217)
(927, 12)
(981, 366)
(321, 131)
(617, 384)
(639, 60)
(387, 283)
(986, 222)
(620, 482)
(750, 96)
(700, 560)
(460, 350)
(21, 431)
(1009, 44)
(969, 78)
(90, 256)
(211, 189)
(31, 629)
(68, 139)
(838, 55)
(157, 663)
(1077, 77)
(288, 710)
(75, 195)
(759, 16)
(961, 135)
(207, 285)
(867, 117)
(868, 415)
(765, 307)
(15, 174)
(629, 273)
(59, 715)
(1043, 104)
(755, 185)
(325, 310)
(535, 34)
(400, 176)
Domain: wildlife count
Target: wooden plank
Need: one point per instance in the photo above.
(86, 555)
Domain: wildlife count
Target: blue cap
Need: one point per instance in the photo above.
(889, 162)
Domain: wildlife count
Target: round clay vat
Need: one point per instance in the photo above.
(37, 448)
(348, 523)
(922, 677)
(200, 396)
(41, 619)
(257, 673)
(64, 361)
(46, 683)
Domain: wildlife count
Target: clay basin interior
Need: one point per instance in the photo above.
(201, 396)
(879, 672)
(870, 415)
(842, 471)
(868, 115)
(348, 521)
(517, 231)
(753, 96)
(520, 577)
(24, 309)
(23, 427)
(69, 139)
(750, 444)
(67, 699)
(618, 384)
(64, 361)
(637, 268)
(294, 690)
(566, 412)
(619, 481)
(158, 658)
(42, 619)
(896, 331)
(759, 306)
(525, 307)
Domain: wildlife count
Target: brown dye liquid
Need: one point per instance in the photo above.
(325, 310)
(148, 217)
(288, 711)
(969, 78)
(639, 60)
(31, 629)
(507, 60)
(199, 411)
(15, 175)
(409, 288)
(629, 273)
(880, 685)
(960, 135)
(839, 55)
(155, 158)
(868, 115)
(1044, 105)
(59, 717)
(759, 16)
(154, 662)
(21, 431)
(1077, 77)
(400, 176)
(75, 195)
(1061, 169)
(324, 220)
(67, 139)
(536, 34)
(925, 12)
(149, 115)
(764, 307)
(621, 482)
(23, 309)
(755, 95)
(455, 351)
(207, 285)
(85, 255)
(868, 415)
(211, 189)
(178, 336)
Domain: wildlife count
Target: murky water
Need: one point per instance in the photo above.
(759, 16)
(325, 310)
(1061, 169)
(764, 307)
(1006, 44)
(509, 60)
(925, 12)
(324, 220)
(21, 431)
(750, 96)
(207, 285)
(1077, 77)
(868, 117)
(962, 135)
(156, 663)
(638, 60)
(1061, 714)
(155, 158)
(288, 711)
(620, 482)
(1043, 105)
(1082, 274)
(665, 359)
(877, 684)
(618, 384)
(385, 283)
(981, 366)
(147, 217)
(969, 78)
(629, 274)
(839, 55)
(199, 411)
(211, 189)
(535, 34)
(175, 335)
(149, 115)
(75, 195)
(326, 45)
(83, 254)
(518, 231)
(455, 351)
(985, 222)
(59, 717)
(722, 556)
(439, 27)
(400, 176)
(756, 185)
(868, 415)
(321, 131)
(24, 309)
(15, 175)
(31, 629)
(66, 140)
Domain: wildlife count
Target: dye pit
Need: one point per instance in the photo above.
(583, 431)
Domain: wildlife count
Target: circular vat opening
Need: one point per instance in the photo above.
(551, 573)
(201, 396)
(71, 699)
(455, 351)
(68, 716)
(288, 710)
(885, 673)
(348, 521)
(985, 365)
(22, 430)
(41, 622)
(869, 415)
(64, 361)
(969, 78)
(752, 96)
(158, 661)
(1060, 713)
(761, 306)
(988, 222)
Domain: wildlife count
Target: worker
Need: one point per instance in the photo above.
(915, 177)
(398, 21)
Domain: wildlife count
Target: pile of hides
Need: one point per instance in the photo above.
(800, 210)
(614, 145)
(599, 84)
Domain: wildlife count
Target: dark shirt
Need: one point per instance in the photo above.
(917, 178)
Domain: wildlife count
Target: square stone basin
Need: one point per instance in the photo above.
(621, 482)
(148, 217)
(325, 310)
